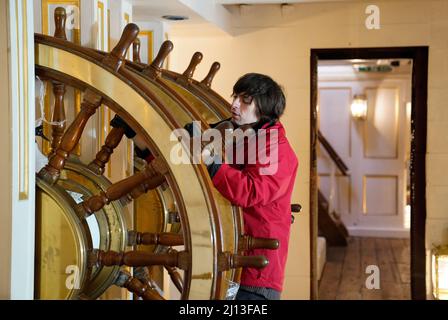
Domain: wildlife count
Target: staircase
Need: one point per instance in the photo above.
(329, 223)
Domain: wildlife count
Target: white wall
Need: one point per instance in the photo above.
(279, 45)
(118, 9)
(159, 30)
(17, 138)
(5, 175)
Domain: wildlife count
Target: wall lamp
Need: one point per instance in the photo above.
(439, 257)
(359, 107)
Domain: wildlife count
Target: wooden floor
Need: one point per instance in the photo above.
(344, 276)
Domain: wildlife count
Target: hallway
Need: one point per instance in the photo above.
(344, 275)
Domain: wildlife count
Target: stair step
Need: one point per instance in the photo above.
(330, 225)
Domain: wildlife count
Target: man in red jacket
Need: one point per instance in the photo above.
(262, 185)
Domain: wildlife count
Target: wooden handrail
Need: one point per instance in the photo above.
(332, 153)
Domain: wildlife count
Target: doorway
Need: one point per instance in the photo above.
(417, 57)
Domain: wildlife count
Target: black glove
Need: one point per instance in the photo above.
(213, 169)
(144, 154)
(39, 132)
(117, 122)
(189, 128)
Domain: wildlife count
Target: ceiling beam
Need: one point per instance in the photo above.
(211, 11)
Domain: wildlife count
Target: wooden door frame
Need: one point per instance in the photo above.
(419, 56)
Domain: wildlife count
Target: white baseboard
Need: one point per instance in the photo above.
(378, 232)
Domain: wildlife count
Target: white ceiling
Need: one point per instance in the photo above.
(153, 10)
(216, 12)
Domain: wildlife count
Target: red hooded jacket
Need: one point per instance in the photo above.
(265, 197)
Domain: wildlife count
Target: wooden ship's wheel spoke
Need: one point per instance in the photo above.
(113, 139)
(181, 259)
(149, 103)
(52, 170)
(150, 178)
(248, 243)
(207, 81)
(162, 238)
(136, 258)
(138, 287)
(175, 277)
(188, 73)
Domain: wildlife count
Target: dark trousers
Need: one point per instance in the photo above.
(247, 295)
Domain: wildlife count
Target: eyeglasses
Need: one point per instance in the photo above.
(246, 99)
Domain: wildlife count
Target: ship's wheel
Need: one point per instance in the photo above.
(83, 243)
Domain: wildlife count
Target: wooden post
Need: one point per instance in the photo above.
(58, 118)
(58, 126)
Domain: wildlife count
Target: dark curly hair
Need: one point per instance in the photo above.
(268, 95)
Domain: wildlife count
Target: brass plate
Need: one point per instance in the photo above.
(112, 227)
(203, 266)
(206, 112)
(152, 209)
(62, 243)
